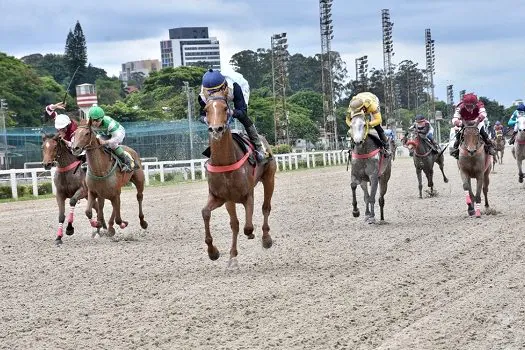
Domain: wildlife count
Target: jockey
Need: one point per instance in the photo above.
(65, 126)
(423, 127)
(368, 103)
(238, 92)
(110, 133)
(498, 129)
(471, 109)
(390, 133)
(519, 112)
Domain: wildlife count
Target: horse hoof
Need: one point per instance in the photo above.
(214, 254)
(123, 224)
(58, 241)
(233, 264)
(70, 230)
(267, 242)
(520, 179)
(445, 180)
(111, 231)
(94, 223)
(355, 213)
(144, 224)
(371, 220)
(250, 236)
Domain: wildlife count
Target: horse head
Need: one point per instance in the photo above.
(83, 138)
(359, 129)
(471, 139)
(217, 115)
(50, 145)
(520, 123)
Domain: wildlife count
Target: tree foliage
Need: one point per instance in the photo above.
(75, 56)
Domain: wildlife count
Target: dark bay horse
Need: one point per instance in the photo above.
(231, 180)
(104, 177)
(69, 181)
(368, 165)
(499, 142)
(424, 158)
(518, 151)
(474, 163)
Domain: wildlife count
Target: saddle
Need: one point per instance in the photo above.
(117, 159)
(244, 142)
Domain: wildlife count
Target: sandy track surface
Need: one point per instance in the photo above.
(429, 278)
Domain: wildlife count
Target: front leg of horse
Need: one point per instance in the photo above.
(80, 193)
(430, 180)
(116, 209)
(213, 203)
(479, 186)
(374, 182)
(268, 183)
(520, 171)
(248, 208)
(138, 179)
(486, 181)
(234, 225)
(366, 197)
(469, 196)
(355, 211)
(61, 217)
(419, 182)
(89, 209)
(441, 163)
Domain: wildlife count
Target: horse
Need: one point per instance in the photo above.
(231, 179)
(393, 147)
(104, 177)
(518, 151)
(499, 142)
(368, 165)
(474, 162)
(69, 181)
(424, 158)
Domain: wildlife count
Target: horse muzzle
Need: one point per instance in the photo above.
(48, 165)
(216, 131)
(76, 151)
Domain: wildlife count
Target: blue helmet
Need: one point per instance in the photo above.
(521, 107)
(498, 122)
(420, 117)
(213, 80)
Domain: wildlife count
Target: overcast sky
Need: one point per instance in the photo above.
(478, 43)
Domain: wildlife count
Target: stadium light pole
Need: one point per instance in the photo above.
(388, 52)
(279, 47)
(3, 130)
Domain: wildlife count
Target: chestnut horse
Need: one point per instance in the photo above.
(499, 142)
(368, 165)
(231, 179)
(474, 162)
(104, 177)
(69, 181)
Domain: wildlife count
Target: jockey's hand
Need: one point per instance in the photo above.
(102, 141)
(60, 105)
(458, 123)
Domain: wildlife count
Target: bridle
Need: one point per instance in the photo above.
(90, 145)
(229, 111)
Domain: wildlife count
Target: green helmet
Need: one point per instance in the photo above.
(96, 113)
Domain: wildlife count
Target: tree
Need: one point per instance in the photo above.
(109, 90)
(311, 101)
(138, 78)
(93, 73)
(76, 56)
(254, 66)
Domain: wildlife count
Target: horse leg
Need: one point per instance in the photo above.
(383, 186)
(213, 203)
(468, 193)
(72, 203)
(520, 171)
(234, 225)
(486, 181)
(420, 182)
(366, 196)
(374, 182)
(89, 209)
(61, 201)
(268, 184)
(248, 209)
(430, 179)
(138, 179)
(355, 211)
(441, 163)
(479, 185)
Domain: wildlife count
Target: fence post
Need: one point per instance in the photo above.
(34, 180)
(53, 187)
(161, 169)
(289, 161)
(203, 171)
(146, 174)
(296, 162)
(192, 167)
(313, 160)
(13, 185)
(324, 158)
(283, 160)
(308, 160)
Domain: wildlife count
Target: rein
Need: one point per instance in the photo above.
(90, 146)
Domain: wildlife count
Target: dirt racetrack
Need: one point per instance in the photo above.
(429, 278)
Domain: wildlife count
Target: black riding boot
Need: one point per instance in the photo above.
(488, 142)
(384, 139)
(261, 153)
(513, 138)
(454, 151)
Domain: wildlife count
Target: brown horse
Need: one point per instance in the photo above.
(231, 180)
(500, 148)
(474, 162)
(518, 150)
(104, 177)
(69, 181)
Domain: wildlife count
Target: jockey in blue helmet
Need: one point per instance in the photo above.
(423, 127)
(236, 90)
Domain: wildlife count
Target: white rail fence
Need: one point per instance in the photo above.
(193, 169)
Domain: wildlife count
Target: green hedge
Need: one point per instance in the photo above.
(25, 190)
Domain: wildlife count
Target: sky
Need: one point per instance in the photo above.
(478, 43)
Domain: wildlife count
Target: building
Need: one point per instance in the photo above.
(517, 102)
(190, 46)
(144, 66)
(86, 98)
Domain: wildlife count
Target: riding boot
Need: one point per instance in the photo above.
(513, 138)
(454, 151)
(260, 150)
(126, 162)
(384, 140)
(488, 142)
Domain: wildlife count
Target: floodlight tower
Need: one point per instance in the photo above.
(330, 123)
(361, 73)
(388, 52)
(279, 45)
(431, 69)
(450, 98)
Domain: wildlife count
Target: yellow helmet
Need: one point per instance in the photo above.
(356, 106)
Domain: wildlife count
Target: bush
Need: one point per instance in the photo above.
(281, 149)
(45, 188)
(5, 192)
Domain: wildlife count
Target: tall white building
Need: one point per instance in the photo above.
(144, 66)
(190, 46)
